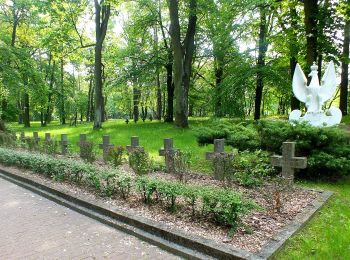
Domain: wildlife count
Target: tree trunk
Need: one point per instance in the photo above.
(48, 114)
(344, 84)
(294, 50)
(102, 14)
(136, 100)
(26, 117)
(183, 55)
(260, 63)
(62, 97)
(170, 90)
(219, 72)
(157, 79)
(311, 13)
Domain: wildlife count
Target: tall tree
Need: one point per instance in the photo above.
(102, 15)
(311, 30)
(262, 45)
(183, 56)
(344, 84)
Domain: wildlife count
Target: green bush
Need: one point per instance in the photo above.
(326, 148)
(87, 151)
(115, 155)
(140, 162)
(250, 168)
(221, 206)
(241, 136)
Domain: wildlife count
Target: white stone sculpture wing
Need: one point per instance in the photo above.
(299, 84)
(328, 82)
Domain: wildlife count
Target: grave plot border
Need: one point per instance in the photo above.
(175, 241)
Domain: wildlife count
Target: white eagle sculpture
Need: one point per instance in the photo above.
(314, 96)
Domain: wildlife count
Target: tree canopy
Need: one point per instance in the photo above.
(79, 60)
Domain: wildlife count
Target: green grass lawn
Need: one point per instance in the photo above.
(151, 136)
(327, 236)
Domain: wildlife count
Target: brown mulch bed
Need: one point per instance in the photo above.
(255, 229)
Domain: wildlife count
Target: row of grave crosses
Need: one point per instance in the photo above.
(288, 162)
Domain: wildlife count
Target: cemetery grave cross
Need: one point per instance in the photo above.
(64, 144)
(134, 145)
(169, 153)
(23, 138)
(36, 138)
(105, 146)
(82, 142)
(288, 161)
(219, 158)
(47, 137)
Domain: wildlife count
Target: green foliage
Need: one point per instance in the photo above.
(140, 162)
(215, 204)
(250, 168)
(6, 139)
(115, 155)
(328, 149)
(182, 164)
(222, 206)
(50, 146)
(87, 151)
(241, 136)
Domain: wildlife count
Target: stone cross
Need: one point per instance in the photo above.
(105, 146)
(22, 137)
(47, 137)
(36, 138)
(288, 161)
(168, 152)
(134, 145)
(219, 158)
(64, 144)
(82, 141)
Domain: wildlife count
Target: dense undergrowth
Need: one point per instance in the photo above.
(327, 149)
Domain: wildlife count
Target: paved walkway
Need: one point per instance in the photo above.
(32, 227)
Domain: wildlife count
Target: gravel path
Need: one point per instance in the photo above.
(32, 227)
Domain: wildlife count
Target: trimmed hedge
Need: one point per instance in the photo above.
(223, 206)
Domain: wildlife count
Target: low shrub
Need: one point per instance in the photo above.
(182, 164)
(87, 151)
(251, 168)
(326, 148)
(115, 155)
(140, 162)
(221, 206)
(241, 136)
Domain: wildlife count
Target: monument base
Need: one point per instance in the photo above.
(319, 119)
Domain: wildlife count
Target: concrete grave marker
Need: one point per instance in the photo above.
(219, 158)
(47, 137)
(81, 143)
(168, 152)
(22, 138)
(288, 161)
(134, 145)
(36, 138)
(105, 146)
(64, 144)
